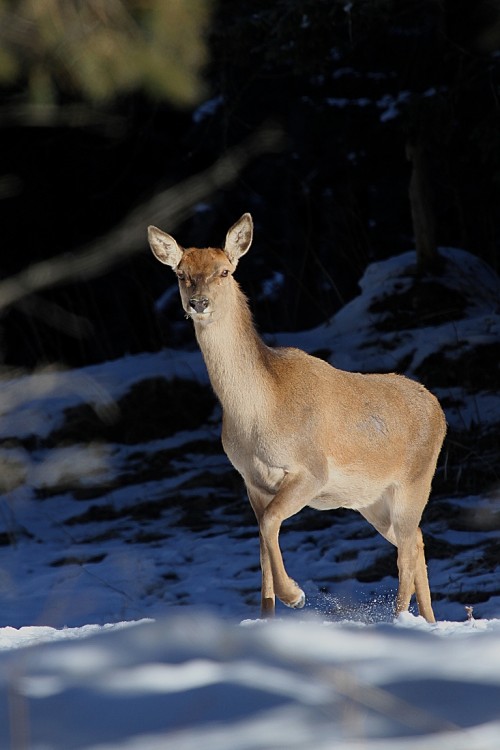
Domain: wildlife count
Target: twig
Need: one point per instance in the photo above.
(167, 208)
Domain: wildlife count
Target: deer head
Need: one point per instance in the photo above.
(204, 274)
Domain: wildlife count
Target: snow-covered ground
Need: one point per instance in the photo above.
(119, 506)
(195, 680)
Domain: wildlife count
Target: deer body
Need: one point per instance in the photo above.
(303, 433)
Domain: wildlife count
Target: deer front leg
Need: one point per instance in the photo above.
(267, 600)
(294, 493)
(267, 603)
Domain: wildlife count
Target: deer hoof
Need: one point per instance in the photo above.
(298, 603)
(302, 601)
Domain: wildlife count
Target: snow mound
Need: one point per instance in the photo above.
(194, 681)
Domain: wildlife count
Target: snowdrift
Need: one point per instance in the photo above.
(194, 680)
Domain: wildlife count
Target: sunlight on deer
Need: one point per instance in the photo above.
(303, 433)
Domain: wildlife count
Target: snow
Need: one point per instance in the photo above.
(193, 679)
(129, 579)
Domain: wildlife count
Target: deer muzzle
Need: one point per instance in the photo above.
(198, 304)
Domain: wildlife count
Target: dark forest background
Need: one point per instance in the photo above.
(352, 131)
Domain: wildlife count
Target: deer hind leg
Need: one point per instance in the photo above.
(407, 564)
(422, 589)
(411, 557)
(413, 577)
(407, 537)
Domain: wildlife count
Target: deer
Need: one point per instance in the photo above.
(301, 432)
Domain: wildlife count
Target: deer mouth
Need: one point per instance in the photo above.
(199, 317)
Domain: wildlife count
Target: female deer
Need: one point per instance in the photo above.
(303, 433)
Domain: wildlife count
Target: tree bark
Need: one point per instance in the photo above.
(422, 211)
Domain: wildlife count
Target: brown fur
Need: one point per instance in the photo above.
(301, 432)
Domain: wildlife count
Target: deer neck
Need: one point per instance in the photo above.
(237, 360)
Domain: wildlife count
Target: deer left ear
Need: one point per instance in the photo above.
(239, 239)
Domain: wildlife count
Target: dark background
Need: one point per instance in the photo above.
(119, 113)
(350, 84)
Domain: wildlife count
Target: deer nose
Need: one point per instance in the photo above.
(199, 304)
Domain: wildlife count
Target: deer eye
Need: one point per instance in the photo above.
(181, 276)
(225, 272)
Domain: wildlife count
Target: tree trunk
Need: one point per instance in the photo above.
(422, 211)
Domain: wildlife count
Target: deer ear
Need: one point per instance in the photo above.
(239, 238)
(164, 247)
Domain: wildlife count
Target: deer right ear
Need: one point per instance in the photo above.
(239, 238)
(164, 247)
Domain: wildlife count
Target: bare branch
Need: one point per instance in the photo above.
(27, 114)
(167, 208)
